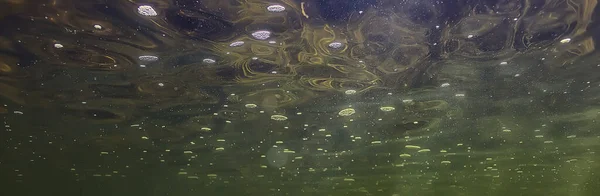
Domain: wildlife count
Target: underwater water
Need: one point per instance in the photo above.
(299, 97)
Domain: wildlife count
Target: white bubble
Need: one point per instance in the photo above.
(347, 112)
(98, 27)
(237, 43)
(209, 61)
(147, 10)
(148, 58)
(566, 40)
(279, 117)
(350, 92)
(58, 46)
(276, 8)
(335, 45)
(261, 35)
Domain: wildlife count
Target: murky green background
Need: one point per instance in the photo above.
(292, 97)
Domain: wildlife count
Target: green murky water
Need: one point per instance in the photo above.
(292, 97)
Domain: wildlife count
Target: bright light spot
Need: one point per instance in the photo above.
(470, 36)
(261, 35)
(148, 58)
(347, 112)
(445, 84)
(446, 162)
(209, 61)
(98, 27)
(161, 84)
(58, 46)
(506, 130)
(276, 8)
(237, 43)
(424, 150)
(278, 117)
(147, 10)
(566, 40)
(350, 92)
(503, 63)
(387, 109)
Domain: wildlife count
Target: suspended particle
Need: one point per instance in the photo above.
(276, 8)
(347, 112)
(97, 27)
(58, 46)
(446, 162)
(278, 117)
(336, 45)
(261, 35)
(503, 63)
(470, 36)
(236, 43)
(506, 131)
(250, 105)
(405, 155)
(209, 61)
(387, 109)
(205, 129)
(445, 85)
(148, 58)
(146, 10)
(350, 92)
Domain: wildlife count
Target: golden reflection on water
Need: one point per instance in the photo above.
(211, 69)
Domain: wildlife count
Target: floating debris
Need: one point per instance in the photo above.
(506, 130)
(566, 40)
(237, 43)
(209, 61)
(446, 162)
(278, 117)
(146, 10)
(412, 147)
(424, 150)
(335, 45)
(387, 108)
(148, 58)
(276, 8)
(349, 180)
(58, 46)
(350, 92)
(405, 155)
(261, 35)
(347, 112)
(250, 105)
